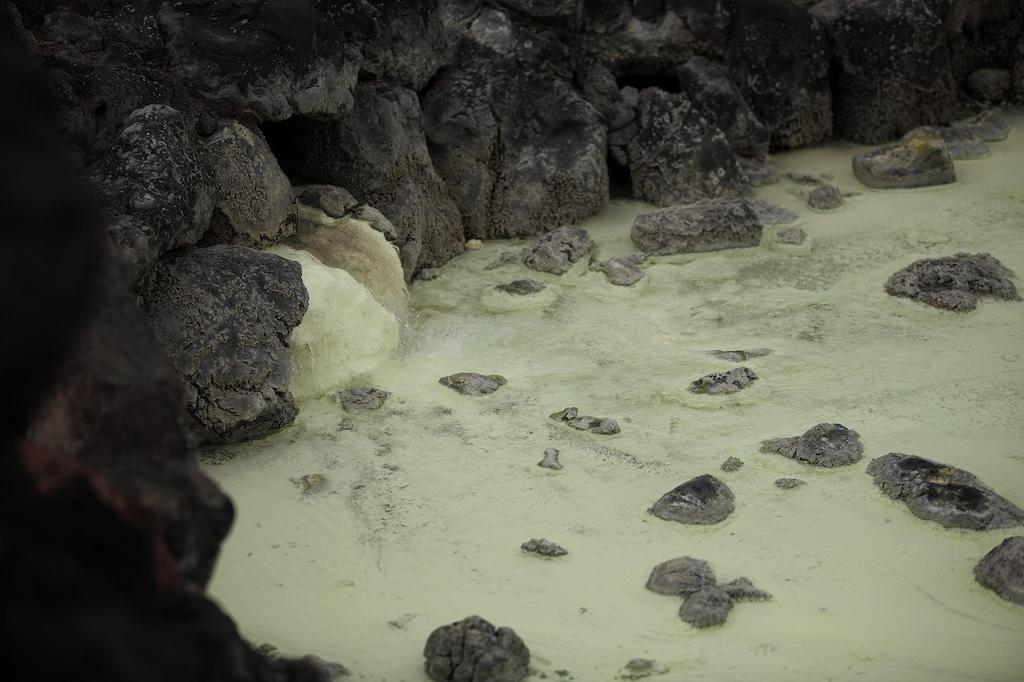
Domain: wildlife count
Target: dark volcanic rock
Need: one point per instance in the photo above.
(361, 398)
(713, 93)
(622, 271)
(254, 202)
(471, 383)
(519, 149)
(522, 287)
(953, 282)
(788, 483)
(825, 198)
(779, 56)
(706, 225)
(919, 162)
(720, 383)
(892, 70)
(824, 445)
(706, 608)
(1002, 570)
(741, 589)
(677, 156)
(703, 500)
(543, 547)
(601, 425)
(379, 153)
(224, 315)
(557, 251)
(473, 650)
(731, 464)
(682, 576)
(936, 492)
(157, 191)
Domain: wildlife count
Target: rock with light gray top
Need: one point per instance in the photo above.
(707, 225)
(556, 252)
(681, 576)
(963, 142)
(922, 161)
(824, 445)
(550, 460)
(706, 608)
(543, 547)
(723, 383)
(703, 500)
(361, 398)
(471, 383)
(622, 271)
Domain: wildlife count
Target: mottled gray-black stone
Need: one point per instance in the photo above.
(702, 500)
(706, 608)
(936, 492)
(682, 576)
(720, 383)
(707, 225)
(471, 383)
(953, 282)
(473, 650)
(557, 251)
(824, 445)
(1002, 570)
(224, 314)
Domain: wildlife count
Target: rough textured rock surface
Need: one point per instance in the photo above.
(254, 205)
(361, 398)
(779, 54)
(962, 141)
(731, 464)
(703, 500)
(706, 608)
(953, 282)
(378, 153)
(723, 383)
(557, 251)
(520, 150)
(601, 425)
(550, 460)
(741, 589)
(824, 445)
(892, 70)
(706, 225)
(1002, 570)
(936, 492)
(521, 287)
(991, 85)
(682, 576)
(677, 156)
(622, 271)
(471, 383)
(543, 547)
(825, 198)
(156, 189)
(224, 314)
(919, 162)
(473, 650)
(789, 483)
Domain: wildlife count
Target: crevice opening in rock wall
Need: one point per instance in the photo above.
(620, 183)
(284, 142)
(668, 82)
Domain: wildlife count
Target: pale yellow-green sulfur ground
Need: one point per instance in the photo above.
(430, 497)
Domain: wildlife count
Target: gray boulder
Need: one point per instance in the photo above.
(779, 56)
(224, 314)
(703, 500)
(157, 192)
(557, 251)
(937, 492)
(723, 383)
(731, 464)
(254, 202)
(473, 650)
(677, 156)
(892, 69)
(682, 576)
(361, 398)
(519, 149)
(471, 383)
(622, 271)
(953, 282)
(991, 85)
(741, 589)
(706, 225)
(1002, 570)
(543, 547)
(378, 152)
(707, 608)
(919, 162)
(825, 198)
(824, 445)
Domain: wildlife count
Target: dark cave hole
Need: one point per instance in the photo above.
(620, 184)
(642, 80)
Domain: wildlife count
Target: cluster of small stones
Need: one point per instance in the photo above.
(600, 425)
(544, 547)
(706, 603)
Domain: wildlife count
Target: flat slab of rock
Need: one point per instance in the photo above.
(473, 650)
(791, 235)
(622, 271)
(823, 445)
(521, 287)
(789, 483)
(601, 425)
(721, 383)
(471, 383)
(920, 162)
(682, 576)
(936, 492)
(361, 398)
(559, 250)
(707, 225)
(543, 547)
(1002, 570)
(953, 282)
(703, 500)
(770, 214)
